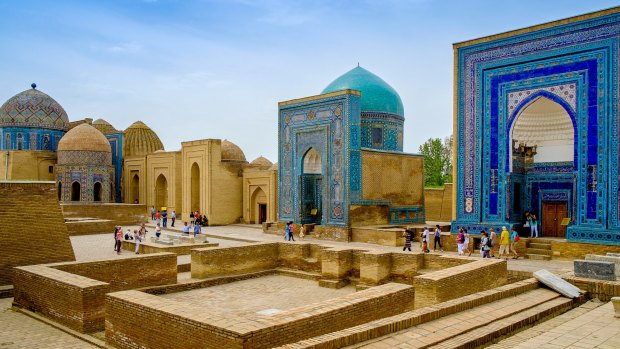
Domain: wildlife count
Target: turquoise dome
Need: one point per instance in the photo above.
(377, 95)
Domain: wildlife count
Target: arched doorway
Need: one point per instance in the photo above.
(258, 206)
(161, 192)
(75, 191)
(311, 187)
(59, 191)
(195, 187)
(97, 191)
(542, 162)
(134, 189)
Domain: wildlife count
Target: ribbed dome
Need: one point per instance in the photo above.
(33, 108)
(261, 162)
(377, 95)
(104, 127)
(231, 152)
(84, 137)
(140, 140)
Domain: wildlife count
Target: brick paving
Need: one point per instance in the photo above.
(589, 326)
(273, 292)
(18, 331)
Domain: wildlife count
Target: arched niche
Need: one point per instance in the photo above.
(161, 192)
(195, 187)
(312, 162)
(75, 191)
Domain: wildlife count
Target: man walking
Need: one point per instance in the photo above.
(504, 243)
(173, 217)
(152, 213)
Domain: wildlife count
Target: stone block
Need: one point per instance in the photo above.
(595, 270)
(556, 283)
(611, 259)
(616, 303)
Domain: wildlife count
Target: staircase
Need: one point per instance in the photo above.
(539, 249)
(472, 321)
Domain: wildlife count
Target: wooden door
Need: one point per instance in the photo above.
(552, 215)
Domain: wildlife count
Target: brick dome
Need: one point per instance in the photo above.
(84, 137)
(104, 127)
(231, 152)
(261, 162)
(140, 140)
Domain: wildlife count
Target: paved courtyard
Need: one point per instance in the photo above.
(266, 295)
(276, 293)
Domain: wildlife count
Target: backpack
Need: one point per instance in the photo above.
(489, 243)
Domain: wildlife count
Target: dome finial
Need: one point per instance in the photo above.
(33, 85)
(358, 64)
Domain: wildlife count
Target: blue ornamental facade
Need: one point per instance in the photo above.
(336, 149)
(537, 129)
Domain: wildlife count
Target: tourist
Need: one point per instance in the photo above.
(158, 217)
(287, 231)
(408, 235)
(533, 225)
(164, 218)
(157, 231)
(504, 243)
(137, 237)
(143, 230)
(128, 235)
(492, 239)
(514, 238)
(173, 217)
(197, 229)
(425, 235)
(197, 218)
(302, 231)
(291, 230)
(466, 242)
(485, 245)
(185, 228)
(460, 239)
(192, 220)
(152, 213)
(119, 240)
(437, 239)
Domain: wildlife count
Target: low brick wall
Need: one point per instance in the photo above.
(73, 293)
(197, 327)
(458, 281)
(385, 237)
(89, 227)
(230, 260)
(149, 247)
(300, 256)
(123, 214)
(601, 289)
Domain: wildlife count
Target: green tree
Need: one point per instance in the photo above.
(437, 161)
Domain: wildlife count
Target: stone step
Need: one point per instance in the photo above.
(435, 332)
(539, 246)
(539, 251)
(539, 257)
(496, 329)
(501, 302)
(541, 241)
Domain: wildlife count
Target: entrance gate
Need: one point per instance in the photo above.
(311, 198)
(552, 215)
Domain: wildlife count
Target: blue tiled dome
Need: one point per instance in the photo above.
(377, 95)
(33, 108)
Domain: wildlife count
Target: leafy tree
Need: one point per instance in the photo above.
(437, 161)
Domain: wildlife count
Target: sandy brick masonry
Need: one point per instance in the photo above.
(462, 280)
(44, 239)
(197, 326)
(73, 293)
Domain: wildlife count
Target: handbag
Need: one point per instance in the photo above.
(517, 238)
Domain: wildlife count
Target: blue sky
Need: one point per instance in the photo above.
(217, 69)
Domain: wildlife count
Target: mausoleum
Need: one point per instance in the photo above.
(536, 129)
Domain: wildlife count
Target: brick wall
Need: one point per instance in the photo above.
(33, 229)
(239, 259)
(123, 214)
(128, 311)
(299, 256)
(73, 294)
(438, 203)
(462, 280)
(87, 227)
(601, 289)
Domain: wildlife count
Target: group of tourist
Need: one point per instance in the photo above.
(196, 228)
(138, 235)
(488, 242)
(161, 217)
